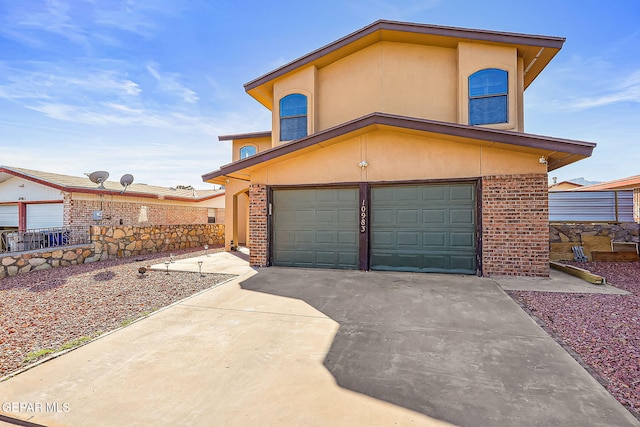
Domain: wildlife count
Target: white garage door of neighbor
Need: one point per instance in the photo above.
(8, 215)
(45, 215)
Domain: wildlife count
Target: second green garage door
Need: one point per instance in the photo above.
(315, 228)
(427, 228)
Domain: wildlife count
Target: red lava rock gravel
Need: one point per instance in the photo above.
(603, 329)
(46, 309)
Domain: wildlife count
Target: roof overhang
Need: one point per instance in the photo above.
(557, 151)
(7, 172)
(536, 50)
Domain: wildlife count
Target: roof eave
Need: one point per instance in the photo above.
(575, 150)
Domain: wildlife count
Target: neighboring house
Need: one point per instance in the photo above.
(564, 186)
(399, 147)
(32, 199)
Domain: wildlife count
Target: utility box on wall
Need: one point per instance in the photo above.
(97, 215)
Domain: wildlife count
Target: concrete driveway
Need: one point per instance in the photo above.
(315, 347)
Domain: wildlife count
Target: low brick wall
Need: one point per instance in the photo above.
(591, 236)
(109, 242)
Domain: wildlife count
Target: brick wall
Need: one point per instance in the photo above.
(258, 225)
(80, 212)
(515, 225)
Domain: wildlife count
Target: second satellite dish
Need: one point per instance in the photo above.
(126, 181)
(99, 177)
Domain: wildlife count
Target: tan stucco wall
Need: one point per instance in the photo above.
(474, 57)
(395, 156)
(236, 226)
(261, 144)
(399, 78)
(301, 81)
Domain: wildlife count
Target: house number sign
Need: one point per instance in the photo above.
(363, 217)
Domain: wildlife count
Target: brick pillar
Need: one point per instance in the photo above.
(258, 236)
(515, 225)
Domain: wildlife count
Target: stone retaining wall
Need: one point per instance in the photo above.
(591, 236)
(109, 242)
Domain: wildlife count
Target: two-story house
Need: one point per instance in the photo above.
(399, 147)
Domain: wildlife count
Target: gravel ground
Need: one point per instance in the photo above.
(603, 329)
(57, 308)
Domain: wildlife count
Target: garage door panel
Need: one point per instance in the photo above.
(407, 216)
(347, 237)
(325, 216)
(461, 216)
(432, 229)
(434, 239)
(462, 193)
(408, 238)
(433, 216)
(465, 240)
(382, 238)
(347, 216)
(434, 193)
(324, 223)
(325, 237)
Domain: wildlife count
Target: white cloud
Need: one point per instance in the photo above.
(169, 84)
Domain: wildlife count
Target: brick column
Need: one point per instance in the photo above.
(258, 236)
(515, 225)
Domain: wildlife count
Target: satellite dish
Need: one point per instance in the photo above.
(99, 177)
(126, 181)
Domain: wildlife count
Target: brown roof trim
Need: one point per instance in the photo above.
(245, 136)
(85, 190)
(427, 29)
(573, 147)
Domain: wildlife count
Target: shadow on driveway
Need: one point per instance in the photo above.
(455, 348)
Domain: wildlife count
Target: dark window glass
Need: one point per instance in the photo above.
(293, 117)
(488, 97)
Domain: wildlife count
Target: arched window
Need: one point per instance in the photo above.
(246, 151)
(293, 117)
(488, 91)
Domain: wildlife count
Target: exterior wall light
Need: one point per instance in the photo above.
(363, 164)
(543, 160)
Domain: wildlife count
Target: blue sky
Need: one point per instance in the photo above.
(146, 86)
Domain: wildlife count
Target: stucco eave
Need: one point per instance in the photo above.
(557, 149)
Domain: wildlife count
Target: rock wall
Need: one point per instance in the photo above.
(591, 236)
(109, 242)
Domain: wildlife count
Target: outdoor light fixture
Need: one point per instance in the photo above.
(171, 257)
(543, 160)
(363, 164)
(206, 248)
(200, 268)
(166, 263)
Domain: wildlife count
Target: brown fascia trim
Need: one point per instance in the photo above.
(91, 190)
(427, 29)
(410, 123)
(245, 136)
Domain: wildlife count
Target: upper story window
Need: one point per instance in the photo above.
(488, 92)
(246, 151)
(293, 117)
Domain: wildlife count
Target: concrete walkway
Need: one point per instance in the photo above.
(557, 282)
(283, 347)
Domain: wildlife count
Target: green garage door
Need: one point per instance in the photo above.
(315, 228)
(428, 228)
